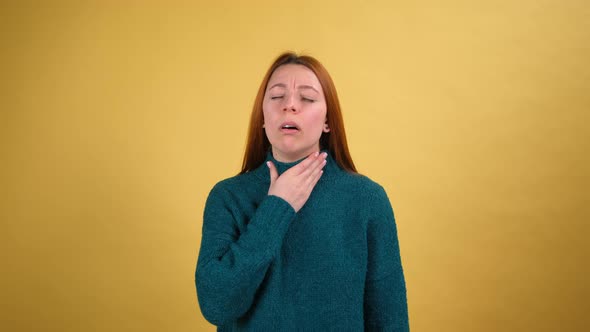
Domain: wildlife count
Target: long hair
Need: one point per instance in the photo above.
(334, 141)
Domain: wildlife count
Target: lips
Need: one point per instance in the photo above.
(289, 127)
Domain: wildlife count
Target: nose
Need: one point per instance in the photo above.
(290, 104)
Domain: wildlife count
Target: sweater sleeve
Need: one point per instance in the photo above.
(385, 303)
(232, 265)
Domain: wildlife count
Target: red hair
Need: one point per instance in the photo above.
(334, 141)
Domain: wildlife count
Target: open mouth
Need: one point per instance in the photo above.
(289, 127)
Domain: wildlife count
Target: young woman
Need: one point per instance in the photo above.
(299, 241)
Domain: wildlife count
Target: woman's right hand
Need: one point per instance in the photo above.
(295, 184)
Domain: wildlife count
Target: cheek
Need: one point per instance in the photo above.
(265, 112)
(266, 116)
(319, 117)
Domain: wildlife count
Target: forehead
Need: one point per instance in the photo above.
(293, 72)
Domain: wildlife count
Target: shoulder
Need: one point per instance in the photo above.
(361, 185)
(365, 193)
(236, 186)
(237, 181)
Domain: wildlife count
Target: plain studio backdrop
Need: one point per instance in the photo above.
(117, 118)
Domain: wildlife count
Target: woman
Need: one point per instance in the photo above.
(299, 241)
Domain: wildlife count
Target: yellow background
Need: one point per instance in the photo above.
(117, 118)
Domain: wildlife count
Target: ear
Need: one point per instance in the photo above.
(326, 127)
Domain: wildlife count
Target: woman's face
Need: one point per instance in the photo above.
(294, 110)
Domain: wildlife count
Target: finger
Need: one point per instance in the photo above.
(315, 179)
(302, 166)
(318, 164)
(313, 174)
(273, 172)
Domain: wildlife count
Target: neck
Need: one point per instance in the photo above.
(290, 158)
(282, 165)
(330, 170)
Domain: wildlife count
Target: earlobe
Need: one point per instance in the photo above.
(326, 128)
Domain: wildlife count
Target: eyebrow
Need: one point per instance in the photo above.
(283, 85)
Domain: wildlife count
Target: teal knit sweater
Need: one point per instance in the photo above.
(333, 266)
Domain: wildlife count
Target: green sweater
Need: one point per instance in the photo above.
(333, 266)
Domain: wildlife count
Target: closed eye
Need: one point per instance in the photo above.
(309, 100)
(276, 97)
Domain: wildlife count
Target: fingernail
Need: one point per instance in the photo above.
(268, 164)
(325, 154)
(316, 154)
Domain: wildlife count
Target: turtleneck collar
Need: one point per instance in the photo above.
(263, 172)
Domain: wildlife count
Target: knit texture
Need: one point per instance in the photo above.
(333, 266)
